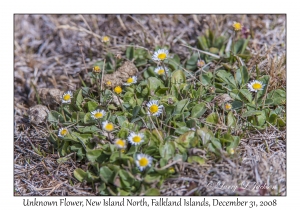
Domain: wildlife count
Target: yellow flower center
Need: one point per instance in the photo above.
(120, 143)
(171, 170)
(108, 83)
(161, 71)
(256, 86)
(109, 127)
(105, 39)
(64, 132)
(136, 139)
(201, 63)
(118, 89)
(237, 26)
(96, 69)
(153, 108)
(227, 106)
(130, 80)
(162, 56)
(98, 115)
(231, 151)
(67, 97)
(143, 162)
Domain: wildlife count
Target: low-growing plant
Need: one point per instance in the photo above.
(131, 136)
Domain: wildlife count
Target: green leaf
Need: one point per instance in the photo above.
(239, 46)
(152, 178)
(191, 63)
(278, 96)
(55, 117)
(127, 179)
(167, 150)
(206, 78)
(88, 118)
(237, 104)
(226, 77)
(93, 155)
(129, 53)
(261, 119)
(178, 77)
(202, 43)
(79, 174)
(236, 141)
(265, 80)
(173, 62)
(182, 130)
(105, 174)
(196, 159)
(152, 192)
(140, 62)
(231, 121)
(122, 120)
(153, 84)
(78, 98)
(135, 111)
(251, 113)
(216, 142)
(62, 160)
(185, 139)
(273, 118)
(213, 118)
(92, 105)
(198, 110)
(242, 95)
(88, 129)
(242, 75)
(205, 134)
(180, 106)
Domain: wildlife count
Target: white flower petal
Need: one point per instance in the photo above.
(67, 93)
(132, 135)
(93, 113)
(139, 157)
(156, 54)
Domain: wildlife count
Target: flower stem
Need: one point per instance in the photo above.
(167, 78)
(256, 100)
(155, 128)
(120, 103)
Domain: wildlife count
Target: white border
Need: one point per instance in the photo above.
(163, 6)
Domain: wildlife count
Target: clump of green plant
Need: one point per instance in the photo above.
(131, 136)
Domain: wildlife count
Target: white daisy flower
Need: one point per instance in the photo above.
(131, 80)
(97, 114)
(107, 126)
(160, 55)
(66, 98)
(120, 144)
(153, 108)
(135, 138)
(255, 85)
(142, 161)
(161, 70)
(62, 132)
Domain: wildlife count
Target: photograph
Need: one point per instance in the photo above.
(166, 105)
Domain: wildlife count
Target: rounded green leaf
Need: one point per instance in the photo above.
(178, 77)
(213, 118)
(79, 174)
(198, 110)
